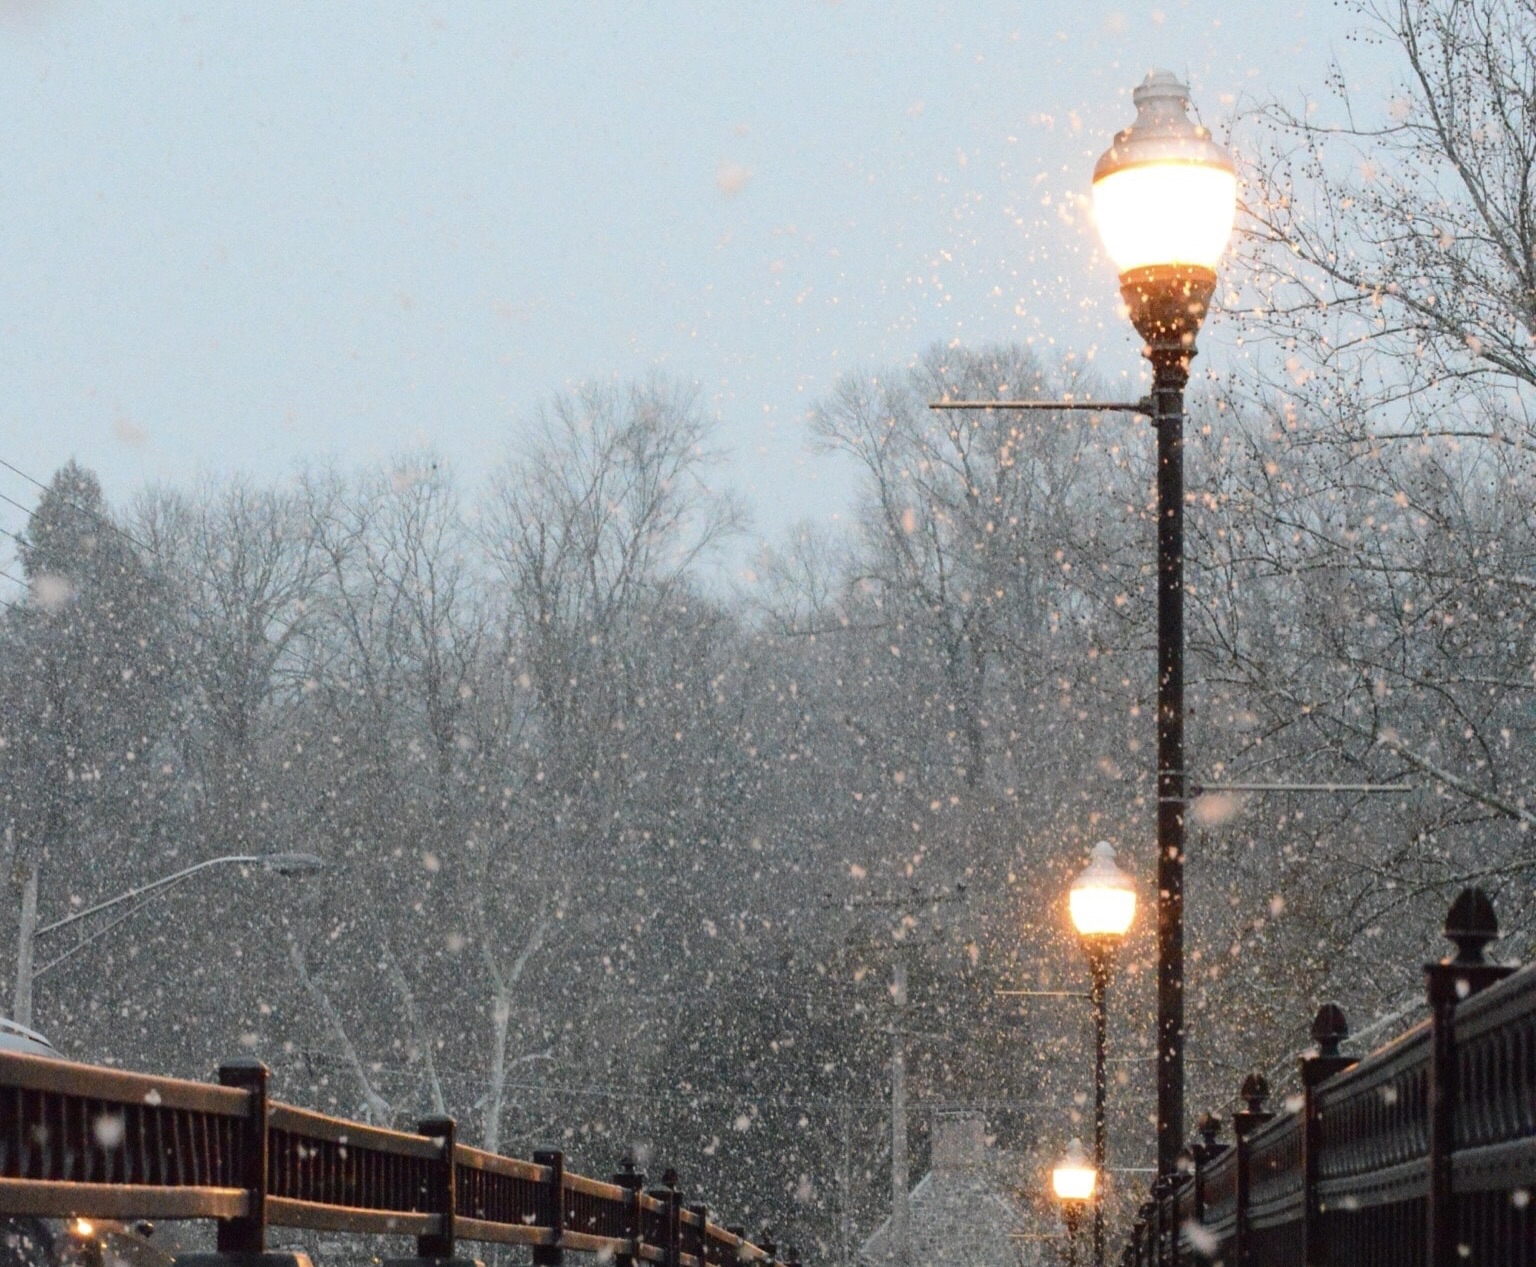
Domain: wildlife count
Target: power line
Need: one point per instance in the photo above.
(23, 474)
(84, 510)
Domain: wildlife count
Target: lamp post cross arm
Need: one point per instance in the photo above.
(1146, 406)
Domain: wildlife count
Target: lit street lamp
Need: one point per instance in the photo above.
(1102, 902)
(1164, 197)
(28, 932)
(1075, 1182)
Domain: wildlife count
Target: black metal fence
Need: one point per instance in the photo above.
(1421, 1154)
(81, 1140)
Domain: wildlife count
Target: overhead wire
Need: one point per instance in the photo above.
(104, 520)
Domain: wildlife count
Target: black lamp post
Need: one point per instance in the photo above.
(1102, 902)
(1164, 196)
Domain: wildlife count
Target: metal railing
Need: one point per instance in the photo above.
(1421, 1154)
(81, 1140)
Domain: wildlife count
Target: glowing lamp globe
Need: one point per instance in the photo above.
(1102, 900)
(1164, 194)
(1074, 1177)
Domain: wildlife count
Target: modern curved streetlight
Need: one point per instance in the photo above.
(1074, 1181)
(1164, 197)
(1102, 902)
(286, 864)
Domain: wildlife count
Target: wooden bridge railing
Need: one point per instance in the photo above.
(81, 1140)
(1421, 1154)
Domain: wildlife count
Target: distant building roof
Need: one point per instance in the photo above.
(957, 1217)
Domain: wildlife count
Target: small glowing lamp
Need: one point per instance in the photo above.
(1164, 194)
(1103, 898)
(1074, 1177)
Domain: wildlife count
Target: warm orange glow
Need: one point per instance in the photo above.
(1165, 213)
(1103, 898)
(1074, 1177)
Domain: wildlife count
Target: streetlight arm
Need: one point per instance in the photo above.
(96, 934)
(291, 864)
(153, 886)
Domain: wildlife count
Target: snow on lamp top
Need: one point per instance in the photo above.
(1074, 1177)
(1164, 193)
(1102, 900)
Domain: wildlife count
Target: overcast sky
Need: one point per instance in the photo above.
(240, 236)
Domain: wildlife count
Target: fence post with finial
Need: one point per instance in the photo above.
(1329, 1029)
(1470, 925)
(1204, 1153)
(1254, 1092)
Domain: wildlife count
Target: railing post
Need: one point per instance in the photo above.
(442, 1243)
(551, 1207)
(440, 1248)
(701, 1212)
(1329, 1029)
(241, 1241)
(1140, 1230)
(1471, 925)
(1255, 1091)
(248, 1233)
(674, 1219)
(632, 1181)
(1162, 1190)
(1204, 1153)
(672, 1200)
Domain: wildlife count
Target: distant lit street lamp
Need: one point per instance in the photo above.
(28, 932)
(1074, 1181)
(1102, 902)
(1164, 196)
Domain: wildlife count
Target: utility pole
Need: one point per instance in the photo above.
(901, 1226)
(845, 1182)
(901, 1223)
(21, 1006)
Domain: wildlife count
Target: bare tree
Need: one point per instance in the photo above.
(1386, 488)
(984, 532)
(1392, 247)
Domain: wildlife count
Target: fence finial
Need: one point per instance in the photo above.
(1329, 1029)
(1471, 924)
(1255, 1090)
